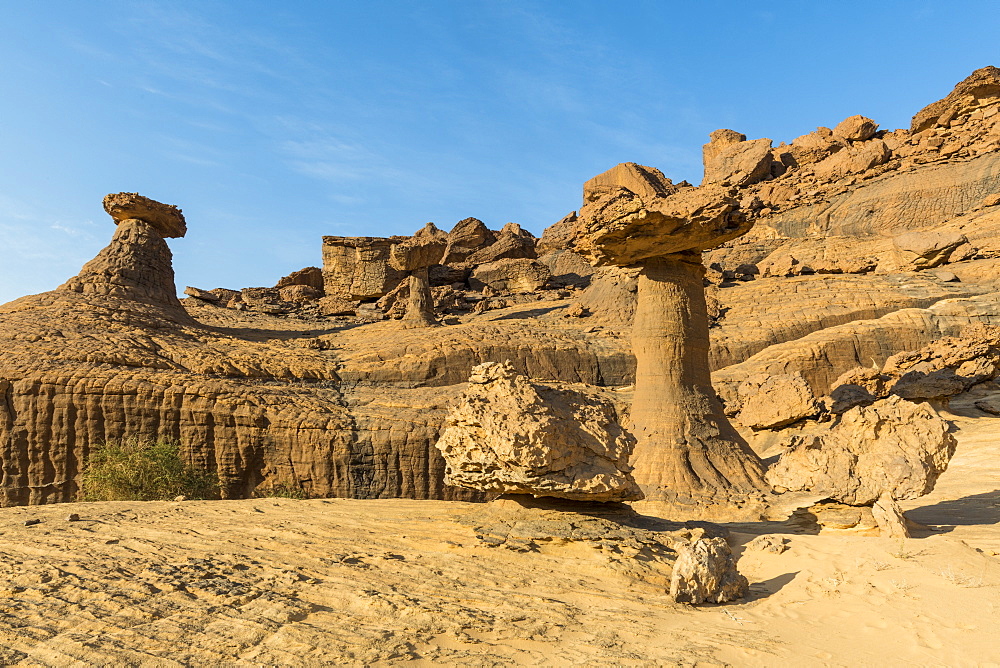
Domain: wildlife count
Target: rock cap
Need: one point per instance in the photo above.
(166, 218)
(633, 213)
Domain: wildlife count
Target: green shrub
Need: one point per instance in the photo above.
(142, 470)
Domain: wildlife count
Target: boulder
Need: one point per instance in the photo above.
(945, 368)
(892, 447)
(558, 236)
(336, 306)
(925, 249)
(705, 572)
(856, 128)
(718, 141)
(448, 274)
(568, 268)
(467, 237)
(299, 293)
(311, 276)
(780, 264)
(203, 295)
(889, 517)
(517, 275)
(854, 160)
(509, 436)
(261, 296)
(771, 402)
(512, 243)
(739, 164)
(989, 405)
(166, 218)
(642, 181)
(810, 148)
(226, 295)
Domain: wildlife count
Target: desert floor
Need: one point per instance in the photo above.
(317, 582)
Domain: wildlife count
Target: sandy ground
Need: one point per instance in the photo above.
(321, 582)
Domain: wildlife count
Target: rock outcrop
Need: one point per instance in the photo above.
(977, 92)
(301, 384)
(738, 163)
(949, 366)
(508, 436)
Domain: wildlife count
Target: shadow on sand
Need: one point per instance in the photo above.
(761, 590)
(969, 510)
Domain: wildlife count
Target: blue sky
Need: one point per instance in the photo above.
(272, 124)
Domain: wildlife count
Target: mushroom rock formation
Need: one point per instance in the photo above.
(416, 255)
(137, 264)
(688, 456)
(874, 455)
(509, 436)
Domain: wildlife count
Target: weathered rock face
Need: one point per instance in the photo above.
(949, 366)
(809, 149)
(568, 268)
(854, 160)
(558, 236)
(705, 572)
(718, 141)
(512, 243)
(112, 354)
(823, 355)
(855, 180)
(358, 267)
(892, 447)
(511, 437)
